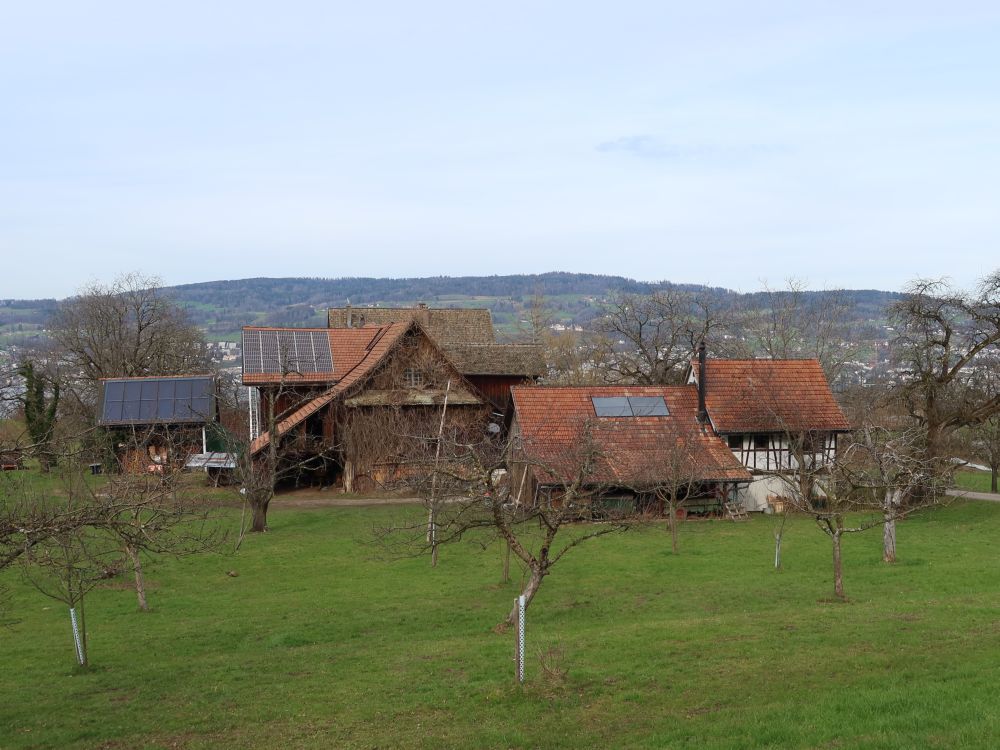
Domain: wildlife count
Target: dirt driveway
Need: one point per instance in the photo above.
(311, 498)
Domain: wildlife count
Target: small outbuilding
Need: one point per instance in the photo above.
(160, 423)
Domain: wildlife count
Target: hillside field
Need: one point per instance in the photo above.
(320, 642)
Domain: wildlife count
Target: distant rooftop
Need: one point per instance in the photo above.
(445, 325)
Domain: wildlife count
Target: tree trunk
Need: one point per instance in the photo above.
(673, 528)
(259, 520)
(838, 575)
(892, 501)
(889, 539)
(777, 550)
(529, 593)
(506, 563)
(140, 580)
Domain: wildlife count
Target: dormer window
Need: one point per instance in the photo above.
(413, 378)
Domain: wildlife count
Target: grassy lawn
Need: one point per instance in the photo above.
(319, 643)
(977, 481)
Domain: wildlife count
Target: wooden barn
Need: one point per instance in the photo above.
(368, 400)
(466, 336)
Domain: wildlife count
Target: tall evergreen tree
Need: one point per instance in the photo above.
(39, 410)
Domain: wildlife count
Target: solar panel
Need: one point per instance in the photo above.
(648, 406)
(612, 407)
(284, 351)
(630, 406)
(151, 400)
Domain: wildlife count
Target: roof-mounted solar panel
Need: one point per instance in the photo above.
(630, 406)
(615, 406)
(648, 406)
(133, 401)
(287, 351)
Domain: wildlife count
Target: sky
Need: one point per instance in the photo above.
(846, 144)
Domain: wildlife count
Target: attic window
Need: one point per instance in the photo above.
(630, 406)
(413, 378)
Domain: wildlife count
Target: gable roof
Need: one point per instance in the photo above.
(558, 425)
(361, 352)
(497, 359)
(349, 347)
(445, 325)
(769, 395)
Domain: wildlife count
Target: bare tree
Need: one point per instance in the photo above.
(791, 324)
(575, 357)
(70, 536)
(128, 328)
(985, 445)
(540, 501)
(648, 340)
(669, 475)
(888, 468)
(874, 479)
(156, 516)
(281, 454)
(945, 339)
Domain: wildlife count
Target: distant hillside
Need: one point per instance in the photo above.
(222, 307)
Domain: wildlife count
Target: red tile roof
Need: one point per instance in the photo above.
(770, 395)
(349, 347)
(355, 357)
(558, 427)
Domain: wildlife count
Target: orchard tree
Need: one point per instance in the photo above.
(946, 339)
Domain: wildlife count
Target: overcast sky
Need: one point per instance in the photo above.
(847, 144)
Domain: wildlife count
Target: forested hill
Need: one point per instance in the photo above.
(222, 307)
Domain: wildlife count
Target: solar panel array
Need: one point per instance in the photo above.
(279, 352)
(164, 400)
(630, 406)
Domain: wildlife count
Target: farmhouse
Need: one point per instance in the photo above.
(632, 444)
(772, 414)
(724, 438)
(359, 397)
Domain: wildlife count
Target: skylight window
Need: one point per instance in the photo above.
(630, 406)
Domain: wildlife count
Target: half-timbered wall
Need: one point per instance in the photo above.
(770, 452)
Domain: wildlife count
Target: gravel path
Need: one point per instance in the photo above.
(969, 495)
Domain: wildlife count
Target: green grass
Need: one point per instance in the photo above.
(318, 643)
(977, 481)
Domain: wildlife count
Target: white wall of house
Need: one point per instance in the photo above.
(754, 496)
